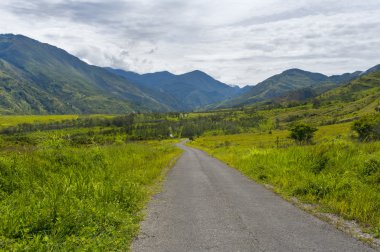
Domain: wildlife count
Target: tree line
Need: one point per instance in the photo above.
(152, 125)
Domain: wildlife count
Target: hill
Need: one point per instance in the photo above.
(305, 84)
(187, 91)
(360, 96)
(346, 103)
(37, 78)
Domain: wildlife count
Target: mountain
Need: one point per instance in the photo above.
(363, 92)
(372, 69)
(187, 91)
(37, 78)
(346, 103)
(305, 84)
(312, 91)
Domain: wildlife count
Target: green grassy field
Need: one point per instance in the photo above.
(57, 197)
(271, 138)
(339, 174)
(12, 120)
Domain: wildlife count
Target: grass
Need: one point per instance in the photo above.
(13, 120)
(340, 175)
(270, 138)
(55, 197)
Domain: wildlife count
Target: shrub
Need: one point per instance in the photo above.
(302, 133)
(368, 127)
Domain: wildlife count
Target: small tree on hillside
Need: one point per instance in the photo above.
(302, 133)
(368, 127)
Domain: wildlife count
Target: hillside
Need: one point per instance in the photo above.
(283, 84)
(358, 97)
(40, 78)
(343, 104)
(187, 91)
(37, 78)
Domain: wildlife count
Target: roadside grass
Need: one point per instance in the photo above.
(62, 198)
(340, 175)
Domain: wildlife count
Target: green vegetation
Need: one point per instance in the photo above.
(150, 125)
(62, 193)
(292, 84)
(14, 120)
(343, 104)
(302, 133)
(79, 182)
(368, 127)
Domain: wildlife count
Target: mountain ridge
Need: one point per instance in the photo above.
(38, 78)
(77, 86)
(46, 79)
(290, 80)
(187, 91)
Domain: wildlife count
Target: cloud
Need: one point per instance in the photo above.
(240, 41)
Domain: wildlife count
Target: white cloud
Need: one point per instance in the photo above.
(239, 42)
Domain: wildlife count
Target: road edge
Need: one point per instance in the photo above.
(351, 228)
(155, 189)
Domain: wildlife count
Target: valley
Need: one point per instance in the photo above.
(83, 149)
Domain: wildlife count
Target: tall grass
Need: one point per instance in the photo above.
(340, 175)
(65, 198)
(13, 120)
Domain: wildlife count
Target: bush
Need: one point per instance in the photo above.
(368, 127)
(302, 133)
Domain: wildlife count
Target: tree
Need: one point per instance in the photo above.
(302, 133)
(368, 127)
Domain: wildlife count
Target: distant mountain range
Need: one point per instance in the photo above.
(182, 92)
(291, 84)
(37, 78)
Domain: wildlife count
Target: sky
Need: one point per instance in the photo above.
(238, 42)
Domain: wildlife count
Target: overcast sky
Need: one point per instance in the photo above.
(236, 41)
